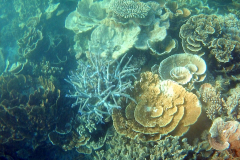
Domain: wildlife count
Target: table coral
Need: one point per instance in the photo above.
(183, 68)
(162, 107)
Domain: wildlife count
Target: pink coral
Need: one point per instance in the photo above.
(224, 135)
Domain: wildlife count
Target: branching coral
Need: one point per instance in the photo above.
(98, 86)
(211, 100)
(162, 107)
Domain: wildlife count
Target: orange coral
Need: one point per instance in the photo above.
(162, 107)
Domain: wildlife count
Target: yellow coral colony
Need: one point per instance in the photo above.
(162, 107)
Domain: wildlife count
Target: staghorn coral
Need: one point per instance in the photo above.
(129, 8)
(98, 86)
(198, 32)
(213, 103)
(183, 68)
(162, 107)
(224, 135)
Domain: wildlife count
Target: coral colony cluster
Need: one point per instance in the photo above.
(120, 79)
(99, 86)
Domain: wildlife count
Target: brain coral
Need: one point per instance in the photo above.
(183, 67)
(130, 9)
(162, 107)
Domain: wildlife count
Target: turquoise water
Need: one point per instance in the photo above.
(119, 79)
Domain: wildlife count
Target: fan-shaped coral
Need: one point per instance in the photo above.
(162, 107)
(182, 68)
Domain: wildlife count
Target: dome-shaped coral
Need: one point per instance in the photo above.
(162, 107)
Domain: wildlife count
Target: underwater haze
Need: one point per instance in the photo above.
(119, 79)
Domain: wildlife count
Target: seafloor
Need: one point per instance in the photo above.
(119, 79)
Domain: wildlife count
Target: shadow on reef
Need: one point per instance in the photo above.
(29, 109)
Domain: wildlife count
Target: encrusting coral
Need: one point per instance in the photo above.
(183, 68)
(162, 107)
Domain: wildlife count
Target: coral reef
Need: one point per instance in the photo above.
(112, 40)
(224, 135)
(29, 42)
(213, 103)
(166, 46)
(27, 113)
(162, 107)
(171, 147)
(98, 86)
(198, 32)
(183, 68)
(129, 9)
(232, 103)
(87, 15)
